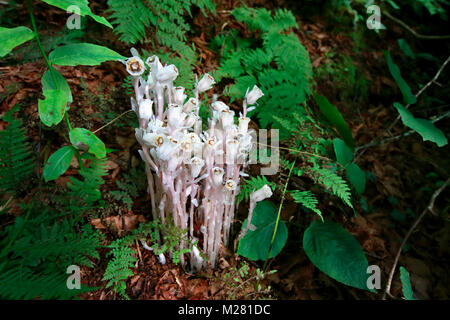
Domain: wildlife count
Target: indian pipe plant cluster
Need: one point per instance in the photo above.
(193, 174)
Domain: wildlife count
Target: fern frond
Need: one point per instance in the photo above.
(334, 183)
(131, 18)
(118, 269)
(16, 156)
(87, 190)
(306, 199)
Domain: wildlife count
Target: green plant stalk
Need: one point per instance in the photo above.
(49, 65)
(278, 216)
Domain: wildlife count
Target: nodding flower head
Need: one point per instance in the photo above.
(217, 176)
(219, 106)
(168, 149)
(191, 119)
(190, 105)
(146, 109)
(178, 95)
(205, 83)
(135, 66)
(152, 139)
(156, 125)
(253, 95)
(232, 149)
(175, 116)
(261, 194)
(196, 166)
(230, 185)
(243, 125)
(227, 118)
(167, 74)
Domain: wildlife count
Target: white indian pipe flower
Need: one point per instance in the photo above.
(219, 106)
(253, 95)
(167, 149)
(227, 118)
(217, 176)
(205, 83)
(196, 166)
(178, 95)
(243, 125)
(153, 139)
(190, 105)
(146, 109)
(135, 66)
(175, 116)
(230, 185)
(154, 63)
(155, 125)
(261, 194)
(191, 119)
(162, 258)
(167, 74)
(232, 149)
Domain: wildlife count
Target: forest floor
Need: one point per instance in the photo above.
(402, 176)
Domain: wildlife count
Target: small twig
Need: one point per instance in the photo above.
(116, 118)
(428, 208)
(408, 133)
(411, 30)
(436, 76)
(377, 141)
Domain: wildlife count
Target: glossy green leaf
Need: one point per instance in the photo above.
(335, 118)
(83, 139)
(406, 284)
(337, 253)
(13, 37)
(83, 5)
(256, 242)
(58, 163)
(344, 154)
(356, 176)
(61, 83)
(87, 54)
(424, 127)
(52, 108)
(403, 86)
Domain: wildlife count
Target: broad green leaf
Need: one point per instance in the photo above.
(335, 118)
(82, 138)
(52, 108)
(404, 87)
(406, 284)
(87, 54)
(83, 5)
(13, 37)
(58, 163)
(356, 176)
(344, 154)
(423, 127)
(61, 83)
(334, 251)
(256, 242)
